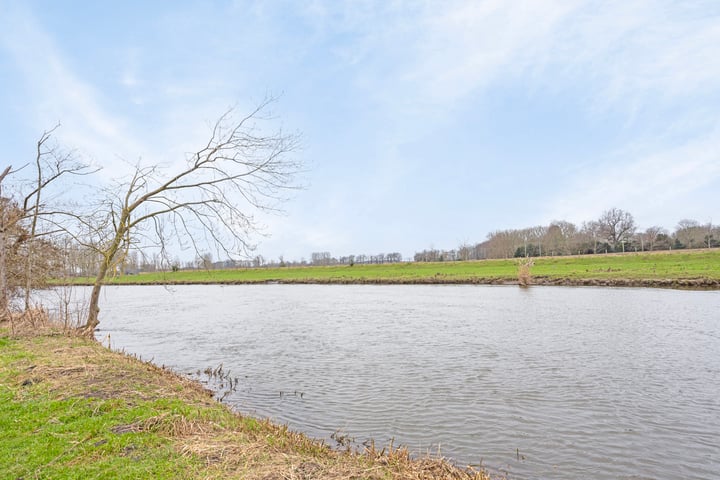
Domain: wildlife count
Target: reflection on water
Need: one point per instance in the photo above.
(550, 382)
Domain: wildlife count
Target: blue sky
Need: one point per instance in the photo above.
(424, 123)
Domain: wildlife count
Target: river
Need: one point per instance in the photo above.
(534, 383)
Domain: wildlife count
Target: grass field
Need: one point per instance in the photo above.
(676, 268)
(71, 409)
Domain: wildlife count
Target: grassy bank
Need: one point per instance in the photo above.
(70, 408)
(680, 268)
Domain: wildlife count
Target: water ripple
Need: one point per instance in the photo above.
(563, 383)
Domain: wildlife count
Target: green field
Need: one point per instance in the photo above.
(677, 268)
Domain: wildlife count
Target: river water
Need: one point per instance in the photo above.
(535, 383)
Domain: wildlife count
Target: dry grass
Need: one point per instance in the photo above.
(31, 322)
(524, 275)
(226, 444)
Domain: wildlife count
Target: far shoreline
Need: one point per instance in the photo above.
(678, 269)
(675, 284)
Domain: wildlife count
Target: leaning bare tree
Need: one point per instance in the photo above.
(210, 199)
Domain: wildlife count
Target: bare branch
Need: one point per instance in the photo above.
(238, 170)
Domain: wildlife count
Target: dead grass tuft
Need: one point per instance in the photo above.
(524, 274)
(176, 425)
(29, 323)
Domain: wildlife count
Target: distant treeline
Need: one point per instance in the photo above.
(614, 231)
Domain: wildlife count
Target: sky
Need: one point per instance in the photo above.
(425, 124)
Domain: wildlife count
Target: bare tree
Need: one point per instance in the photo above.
(9, 216)
(465, 251)
(617, 226)
(503, 243)
(590, 233)
(559, 237)
(51, 163)
(320, 258)
(25, 224)
(690, 233)
(205, 261)
(538, 234)
(650, 236)
(16, 256)
(208, 201)
(709, 234)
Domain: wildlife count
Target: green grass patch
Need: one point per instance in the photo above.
(52, 432)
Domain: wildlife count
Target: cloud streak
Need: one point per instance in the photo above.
(59, 95)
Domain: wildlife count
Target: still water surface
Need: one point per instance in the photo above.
(538, 383)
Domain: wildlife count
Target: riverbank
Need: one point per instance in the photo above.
(70, 408)
(673, 269)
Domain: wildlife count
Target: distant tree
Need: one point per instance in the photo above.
(465, 252)
(430, 255)
(504, 243)
(529, 250)
(559, 238)
(377, 259)
(689, 233)
(649, 238)
(663, 241)
(394, 257)
(712, 235)
(617, 227)
(590, 236)
(320, 258)
(480, 251)
(205, 261)
(537, 234)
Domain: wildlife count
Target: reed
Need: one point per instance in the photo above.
(524, 273)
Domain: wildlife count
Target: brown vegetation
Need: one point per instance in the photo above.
(524, 275)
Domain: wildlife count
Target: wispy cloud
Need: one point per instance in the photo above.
(90, 117)
(650, 64)
(624, 52)
(59, 95)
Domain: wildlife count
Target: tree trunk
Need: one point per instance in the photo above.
(33, 231)
(94, 308)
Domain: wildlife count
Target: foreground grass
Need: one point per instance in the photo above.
(69, 409)
(675, 268)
